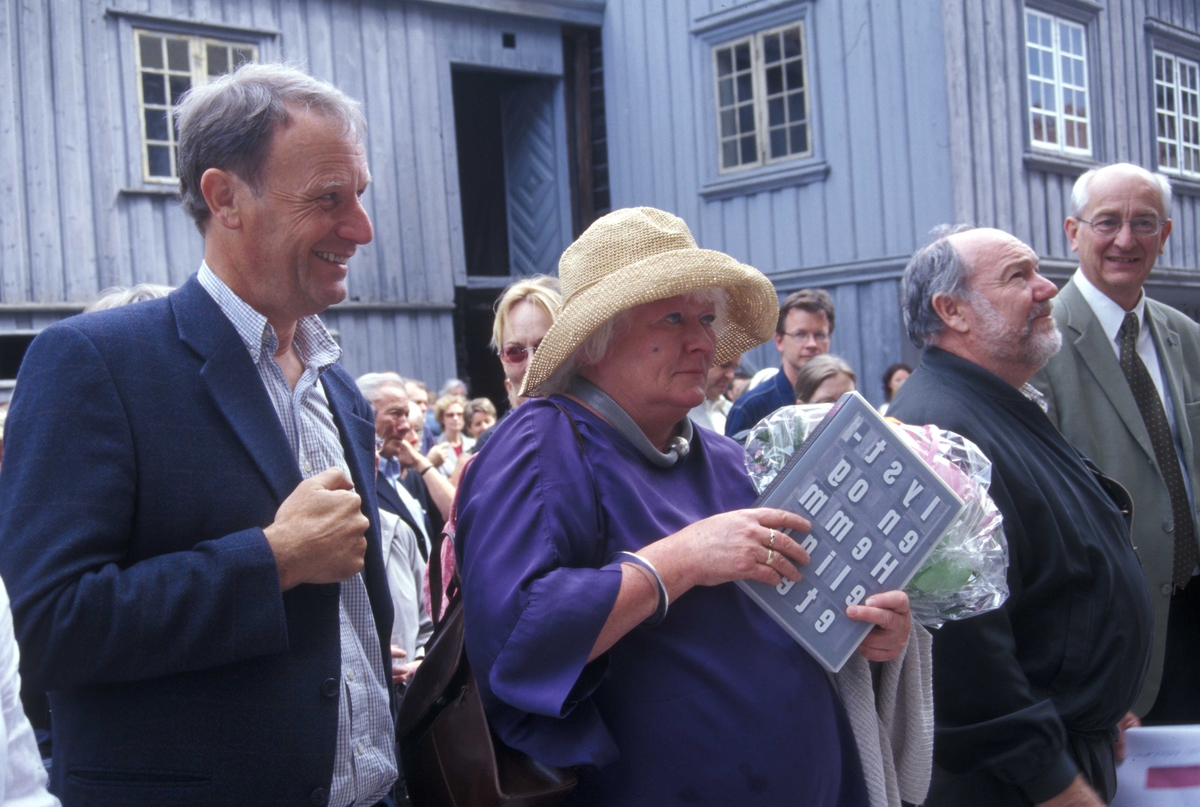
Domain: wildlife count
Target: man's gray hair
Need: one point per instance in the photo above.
(1079, 194)
(599, 342)
(373, 385)
(229, 122)
(117, 296)
(933, 269)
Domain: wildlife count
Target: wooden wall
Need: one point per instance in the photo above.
(880, 118)
(996, 182)
(73, 223)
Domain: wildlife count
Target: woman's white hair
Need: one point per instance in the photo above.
(594, 348)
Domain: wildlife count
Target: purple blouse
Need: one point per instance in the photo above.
(716, 705)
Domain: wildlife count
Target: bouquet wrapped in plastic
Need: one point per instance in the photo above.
(967, 572)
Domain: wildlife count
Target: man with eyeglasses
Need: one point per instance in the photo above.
(1125, 391)
(803, 331)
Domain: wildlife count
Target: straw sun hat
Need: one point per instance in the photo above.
(638, 255)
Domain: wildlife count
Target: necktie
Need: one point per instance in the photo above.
(391, 469)
(1155, 417)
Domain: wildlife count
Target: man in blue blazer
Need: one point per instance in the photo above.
(188, 524)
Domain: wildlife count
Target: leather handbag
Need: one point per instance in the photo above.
(450, 756)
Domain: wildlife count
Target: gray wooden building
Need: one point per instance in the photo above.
(918, 112)
(818, 140)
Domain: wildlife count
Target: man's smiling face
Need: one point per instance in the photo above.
(306, 219)
(1119, 264)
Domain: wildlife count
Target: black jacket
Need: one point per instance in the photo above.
(1019, 691)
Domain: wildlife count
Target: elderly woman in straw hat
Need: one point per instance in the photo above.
(601, 620)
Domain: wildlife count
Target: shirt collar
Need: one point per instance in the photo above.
(313, 342)
(1108, 313)
(1034, 394)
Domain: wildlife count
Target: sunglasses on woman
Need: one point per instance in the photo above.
(515, 354)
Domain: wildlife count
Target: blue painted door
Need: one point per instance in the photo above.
(536, 180)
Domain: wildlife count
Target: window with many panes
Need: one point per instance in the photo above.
(168, 65)
(1056, 59)
(1177, 113)
(762, 93)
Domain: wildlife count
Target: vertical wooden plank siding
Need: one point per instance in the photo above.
(105, 139)
(849, 335)
(74, 175)
(406, 280)
(14, 242)
(862, 127)
(930, 151)
(40, 157)
(838, 202)
(1000, 197)
(1012, 29)
(383, 195)
(346, 42)
(959, 109)
(894, 209)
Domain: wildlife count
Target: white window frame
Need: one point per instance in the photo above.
(198, 47)
(758, 74)
(1057, 84)
(1177, 114)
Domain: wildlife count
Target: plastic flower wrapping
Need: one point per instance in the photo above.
(966, 574)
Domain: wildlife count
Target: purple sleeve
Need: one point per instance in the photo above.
(530, 546)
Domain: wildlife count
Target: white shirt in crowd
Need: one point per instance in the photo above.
(405, 571)
(712, 414)
(23, 779)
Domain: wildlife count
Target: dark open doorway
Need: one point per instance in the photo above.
(479, 134)
(478, 364)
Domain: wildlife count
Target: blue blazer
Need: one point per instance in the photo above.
(143, 458)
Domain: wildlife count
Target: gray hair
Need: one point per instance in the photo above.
(599, 342)
(1079, 194)
(229, 122)
(451, 383)
(934, 269)
(372, 385)
(117, 296)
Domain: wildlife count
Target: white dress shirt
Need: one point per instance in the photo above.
(405, 570)
(22, 777)
(712, 414)
(1111, 316)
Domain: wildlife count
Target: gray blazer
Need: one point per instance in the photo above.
(1092, 405)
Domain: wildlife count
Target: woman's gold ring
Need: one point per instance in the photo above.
(770, 556)
(771, 544)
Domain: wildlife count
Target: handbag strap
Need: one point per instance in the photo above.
(435, 557)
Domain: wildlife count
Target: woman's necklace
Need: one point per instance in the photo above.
(620, 420)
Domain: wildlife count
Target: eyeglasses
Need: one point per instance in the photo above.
(1110, 225)
(515, 354)
(804, 336)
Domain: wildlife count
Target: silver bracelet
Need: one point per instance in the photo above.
(660, 613)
